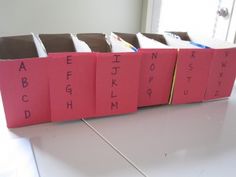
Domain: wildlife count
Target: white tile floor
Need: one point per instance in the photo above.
(196, 140)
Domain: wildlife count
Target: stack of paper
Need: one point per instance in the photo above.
(147, 43)
(119, 45)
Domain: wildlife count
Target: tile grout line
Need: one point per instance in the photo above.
(114, 148)
(35, 160)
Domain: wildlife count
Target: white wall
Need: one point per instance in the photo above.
(58, 16)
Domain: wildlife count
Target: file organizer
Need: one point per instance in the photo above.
(72, 85)
(117, 79)
(222, 69)
(116, 86)
(191, 75)
(156, 71)
(23, 82)
(84, 85)
(222, 74)
(67, 85)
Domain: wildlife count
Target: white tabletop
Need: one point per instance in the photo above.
(69, 149)
(196, 140)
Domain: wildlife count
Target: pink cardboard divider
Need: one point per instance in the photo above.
(117, 80)
(222, 74)
(25, 91)
(72, 85)
(156, 75)
(191, 77)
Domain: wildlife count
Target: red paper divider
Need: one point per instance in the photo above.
(25, 91)
(156, 75)
(222, 74)
(117, 80)
(191, 76)
(72, 85)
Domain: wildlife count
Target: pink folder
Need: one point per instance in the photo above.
(191, 75)
(117, 80)
(25, 91)
(222, 74)
(72, 85)
(156, 75)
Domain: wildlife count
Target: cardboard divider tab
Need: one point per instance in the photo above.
(222, 74)
(156, 74)
(72, 85)
(15, 47)
(96, 41)
(222, 70)
(191, 75)
(25, 91)
(157, 37)
(57, 42)
(117, 80)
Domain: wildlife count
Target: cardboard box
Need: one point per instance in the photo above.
(23, 82)
(222, 68)
(156, 71)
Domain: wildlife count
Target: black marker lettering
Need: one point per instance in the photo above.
(149, 92)
(69, 105)
(69, 60)
(22, 66)
(154, 55)
(152, 67)
(193, 54)
(116, 59)
(68, 74)
(113, 94)
(150, 79)
(190, 67)
(226, 53)
(24, 82)
(224, 64)
(114, 83)
(24, 98)
(115, 70)
(69, 89)
(185, 92)
(27, 114)
(217, 93)
(221, 74)
(114, 105)
(189, 78)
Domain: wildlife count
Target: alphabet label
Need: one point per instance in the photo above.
(68, 87)
(114, 105)
(27, 114)
(114, 82)
(152, 68)
(22, 67)
(24, 98)
(24, 84)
